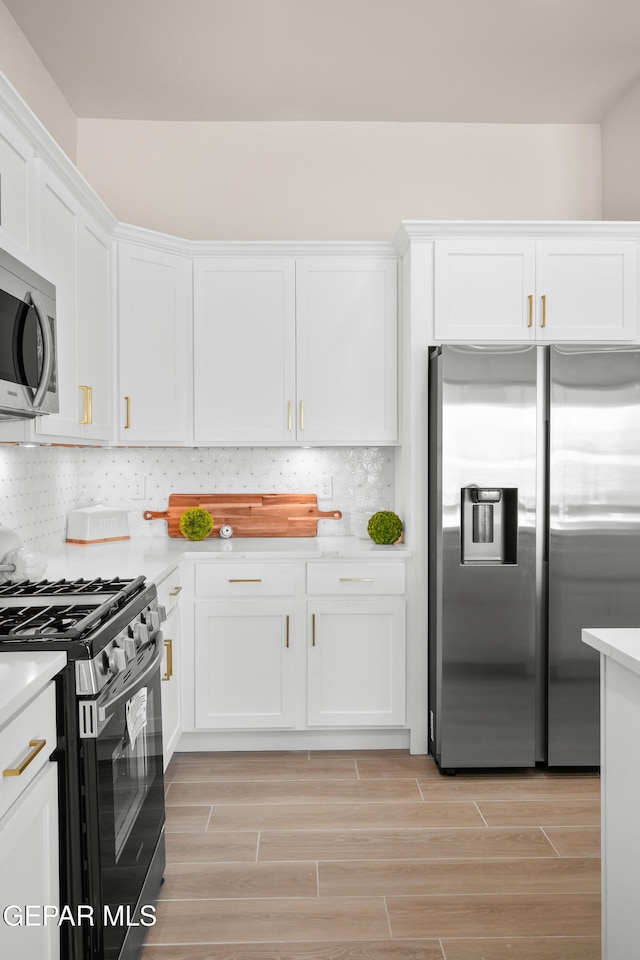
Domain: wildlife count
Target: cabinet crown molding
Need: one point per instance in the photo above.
(195, 249)
(44, 146)
(429, 230)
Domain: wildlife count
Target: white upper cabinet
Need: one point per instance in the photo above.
(541, 290)
(154, 334)
(296, 350)
(16, 162)
(74, 254)
(347, 337)
(244, 357)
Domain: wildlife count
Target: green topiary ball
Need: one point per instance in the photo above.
(196, 523)
(385, 527)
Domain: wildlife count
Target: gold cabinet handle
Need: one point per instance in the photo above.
(313, 629)
(287, 633)
(302, 414)
(127, 402)
(544, 310)
(168, 646)
(36, 746)
(257, 580)
(87, 404)
(530, 299)
(289, 415)
(175, 591)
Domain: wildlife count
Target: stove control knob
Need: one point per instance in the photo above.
(129, 647)
(153, 620)
(117, 660)
(140, 633)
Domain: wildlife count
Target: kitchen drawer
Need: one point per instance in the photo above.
(169, 589)
(36, 722)
(245, 580)
(355, 579)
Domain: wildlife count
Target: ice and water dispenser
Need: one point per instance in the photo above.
(489, 525)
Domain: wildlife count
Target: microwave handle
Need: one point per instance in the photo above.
(47, 342)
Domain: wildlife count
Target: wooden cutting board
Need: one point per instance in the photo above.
(250, 514)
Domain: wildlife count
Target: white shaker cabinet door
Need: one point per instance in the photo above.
(356, 663)
(244, 350)
(244, 664)
(16, 190)
(154, 328)
(346, 311)
(29, 870)
(484, 289)
(589, 289)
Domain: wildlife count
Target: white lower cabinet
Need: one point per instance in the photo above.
(356, 663)
(244, 664)
(29, 868)
(261, 662)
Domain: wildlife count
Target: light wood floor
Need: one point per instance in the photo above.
(375, 856)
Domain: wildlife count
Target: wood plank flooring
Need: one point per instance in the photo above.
(375, 856)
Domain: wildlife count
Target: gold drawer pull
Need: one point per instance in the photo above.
(530, 298)
(356, 579)
(289, 415)
(287, 640)
(36, 746)
(544, 310)
(168, 645)
(313, 629)
(127, 404)
(175, 591)
(302, 414)
(256, 580)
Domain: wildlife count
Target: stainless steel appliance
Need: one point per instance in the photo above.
(109, 750)
(534, 517)
(28, 364)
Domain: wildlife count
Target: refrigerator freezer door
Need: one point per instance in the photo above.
(594, 531)
(483, 612)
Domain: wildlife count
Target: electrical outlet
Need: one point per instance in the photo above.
(139, 488)
(325, 488)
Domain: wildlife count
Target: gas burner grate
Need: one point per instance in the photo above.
(48, 588)
(41, 623)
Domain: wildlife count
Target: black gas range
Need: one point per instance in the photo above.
(109, 751)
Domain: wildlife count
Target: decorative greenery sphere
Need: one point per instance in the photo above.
(385, 527)
(196, 523)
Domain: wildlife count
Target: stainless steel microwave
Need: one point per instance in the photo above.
(28, 362)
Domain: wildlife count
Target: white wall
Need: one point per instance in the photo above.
(336, 181)
(27, 73)
(621, 159)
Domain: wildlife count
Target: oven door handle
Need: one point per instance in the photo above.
(112, 703)
(47, 350)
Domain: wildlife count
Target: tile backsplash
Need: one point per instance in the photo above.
(39, 485)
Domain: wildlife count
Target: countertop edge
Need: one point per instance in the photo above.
(29, 674)
(621, 644)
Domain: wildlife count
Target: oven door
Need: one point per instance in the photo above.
(124, 806)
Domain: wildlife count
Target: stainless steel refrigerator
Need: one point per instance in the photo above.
(534, 533)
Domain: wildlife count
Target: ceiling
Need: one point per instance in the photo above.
(525, 61)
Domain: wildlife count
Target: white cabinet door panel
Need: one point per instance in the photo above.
(154, 325)
(244, 356)
(346, 310)
(482, 289)
(356, 665)
(244, 665)
(590, 290)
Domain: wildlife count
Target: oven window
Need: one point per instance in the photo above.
(131, 784)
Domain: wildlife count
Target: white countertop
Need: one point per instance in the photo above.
(23, 676)
(152, 557)
(622, 644)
